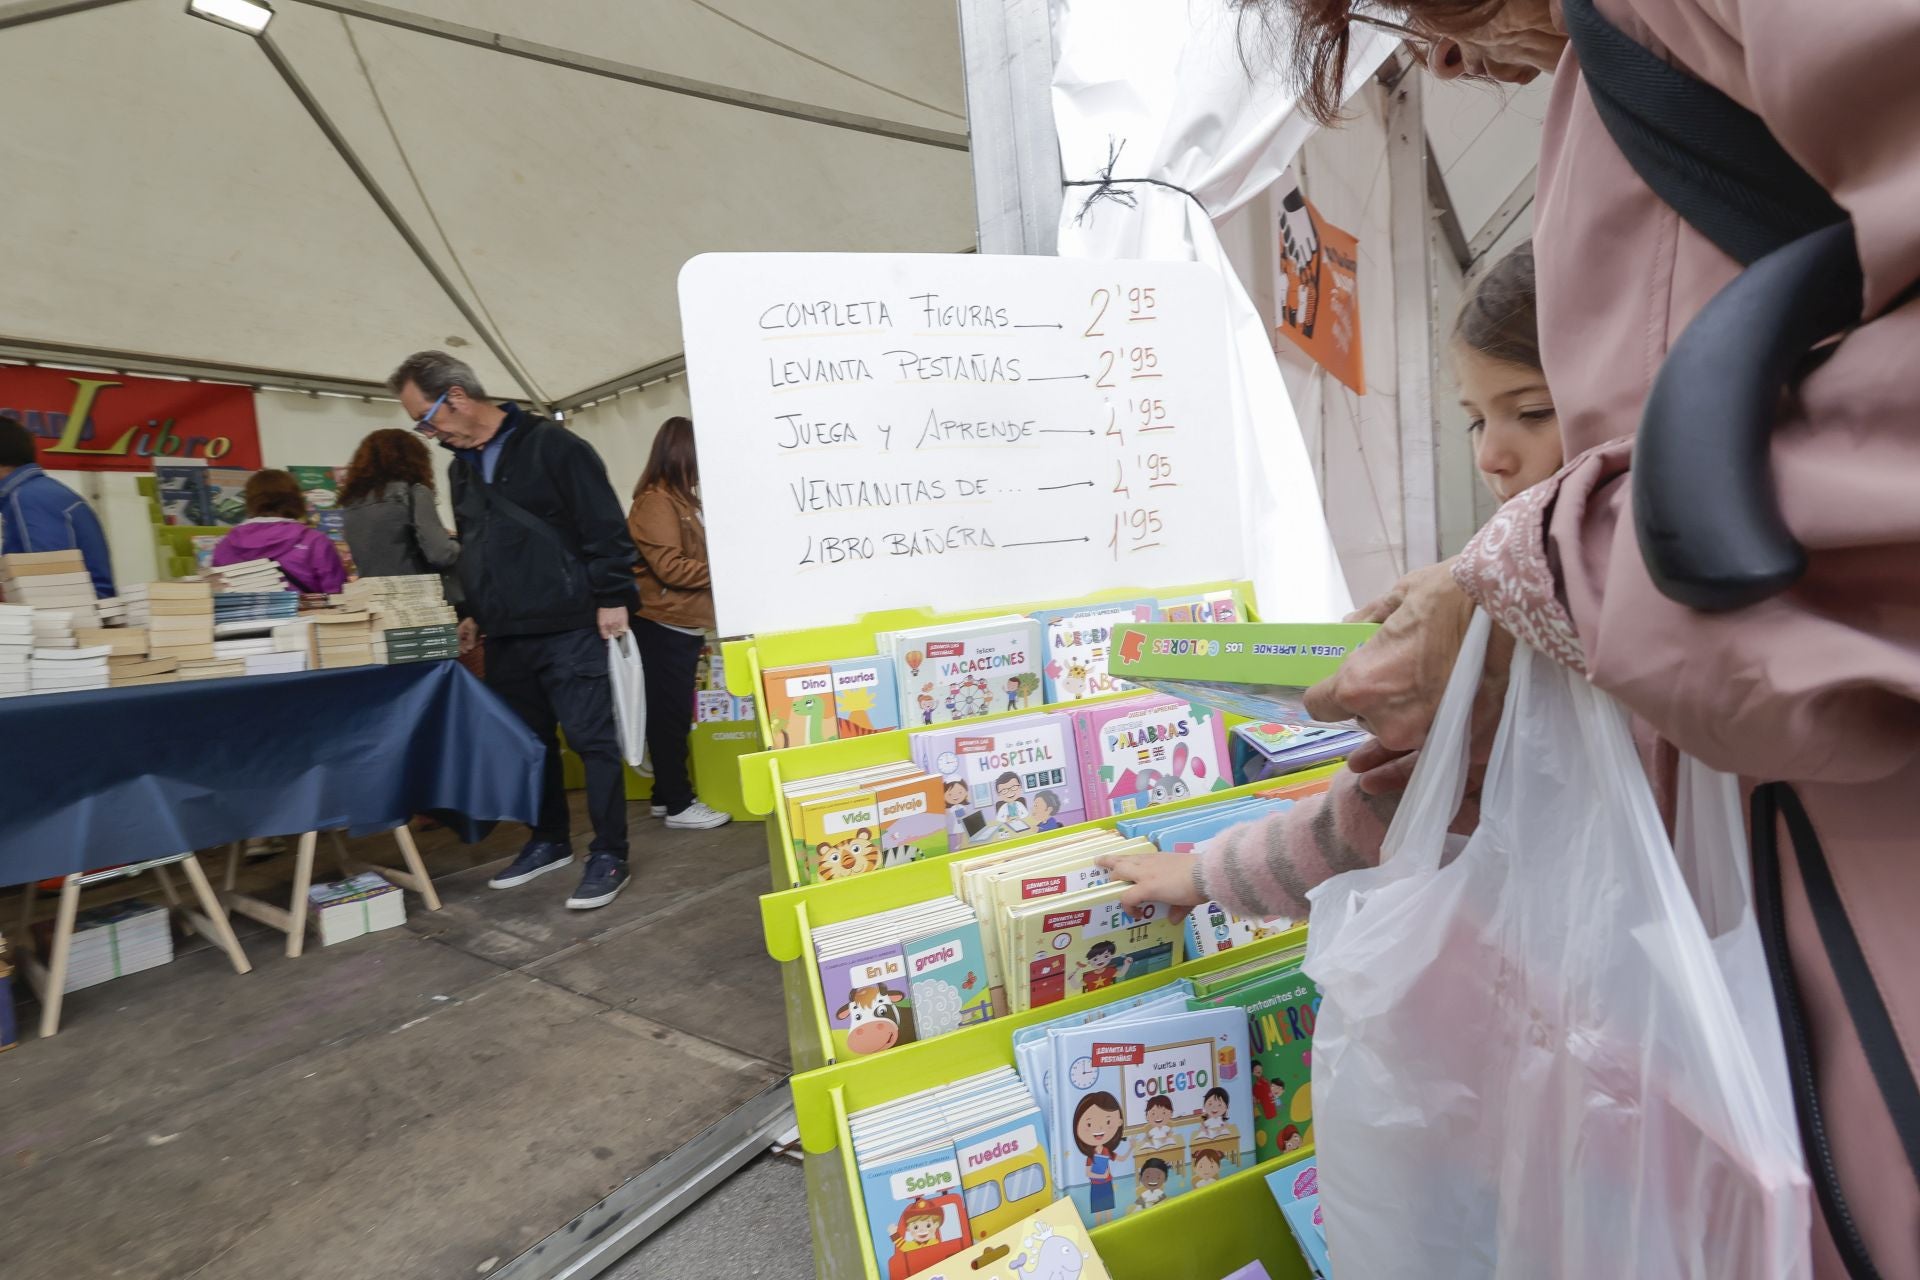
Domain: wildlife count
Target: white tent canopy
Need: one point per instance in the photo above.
(169, 195)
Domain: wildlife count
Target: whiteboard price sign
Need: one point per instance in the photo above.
(955, 431)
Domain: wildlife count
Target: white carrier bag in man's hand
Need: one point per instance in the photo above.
(629, 697)
(1529, 1061)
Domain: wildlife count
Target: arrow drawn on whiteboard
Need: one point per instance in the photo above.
(1039, 326)
(1067, 431)
(1062, 377)
(1045, 542)
(1075, 485)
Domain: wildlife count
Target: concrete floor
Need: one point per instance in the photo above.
(429, 1101)
(753, 1226)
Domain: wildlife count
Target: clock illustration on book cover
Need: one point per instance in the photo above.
(1083, 1073)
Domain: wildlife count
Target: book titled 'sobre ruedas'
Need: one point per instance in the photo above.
(1257, 669)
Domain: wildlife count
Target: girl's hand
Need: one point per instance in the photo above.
(1156, 877)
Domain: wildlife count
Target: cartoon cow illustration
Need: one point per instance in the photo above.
(873, 1023)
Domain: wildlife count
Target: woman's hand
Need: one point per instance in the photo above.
(1156, 877)
(1392, 683)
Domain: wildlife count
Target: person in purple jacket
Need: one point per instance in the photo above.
(276, 529)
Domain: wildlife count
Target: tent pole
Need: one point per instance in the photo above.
(379, 196)
(1007, 46)
(646, 77)
(17, 15)
(1409, 211)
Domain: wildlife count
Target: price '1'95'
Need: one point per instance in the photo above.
(1135, 529)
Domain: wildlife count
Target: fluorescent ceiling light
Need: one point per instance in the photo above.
(250, 16)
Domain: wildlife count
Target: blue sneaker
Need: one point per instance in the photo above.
(538, 858)
(605, 877)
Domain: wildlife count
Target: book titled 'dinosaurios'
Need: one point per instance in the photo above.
(1261, 670)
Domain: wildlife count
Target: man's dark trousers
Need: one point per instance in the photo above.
(563, 678)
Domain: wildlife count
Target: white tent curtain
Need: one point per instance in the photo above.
(1163, 91)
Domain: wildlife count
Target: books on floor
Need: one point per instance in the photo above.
(365, 903)
(953, 1166)
(913, 973)
(111, 942)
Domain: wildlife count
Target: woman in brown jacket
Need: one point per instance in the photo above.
(676, 612)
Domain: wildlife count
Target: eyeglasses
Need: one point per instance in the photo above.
(425, 423)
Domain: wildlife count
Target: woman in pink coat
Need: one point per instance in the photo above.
(276, 529)
(1819, 686)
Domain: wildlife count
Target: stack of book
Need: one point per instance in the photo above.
(120, 641)
(53, 629)
(247, 575)
(51, 580)
(276, 663)
(212, 668)
(124, 670)
(416, 644)
(113, 611)
(412, 621)
(847, 824)
(365, 903)
(253, 606)
(343, 639)
(16, 645)
(111, 942)
(178, 617)
(69, 670)
(909, 974)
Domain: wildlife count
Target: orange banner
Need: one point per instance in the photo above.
(1319, 298)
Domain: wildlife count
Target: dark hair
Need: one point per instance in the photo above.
(1100, 947)
(1008, 776)
(435, 373)
(17, 445)
(1218, 1092)
(672, 462)
(1159, 1100)
(1103, 1100)
(1155, 1163)
(275, 493)
(386, 455)
(1498, 318)
(1318, 34)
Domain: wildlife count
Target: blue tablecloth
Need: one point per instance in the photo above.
(91, 779)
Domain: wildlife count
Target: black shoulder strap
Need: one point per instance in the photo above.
(1715, 162)
(1871, 1021)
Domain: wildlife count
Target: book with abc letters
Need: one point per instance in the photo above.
(1076, 644)
(1149, 750)
(947, 980)
(1260, 670)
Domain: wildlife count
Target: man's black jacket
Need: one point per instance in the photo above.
(520, 578)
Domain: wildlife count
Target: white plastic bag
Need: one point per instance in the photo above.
(629, 697)
(1527, 1062)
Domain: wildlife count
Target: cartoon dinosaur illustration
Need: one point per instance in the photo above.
(808, 721)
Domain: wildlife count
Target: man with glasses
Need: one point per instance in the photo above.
(547, 568)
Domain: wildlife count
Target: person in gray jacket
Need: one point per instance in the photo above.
(392, 524)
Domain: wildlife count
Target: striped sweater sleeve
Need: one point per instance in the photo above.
(1265, 868)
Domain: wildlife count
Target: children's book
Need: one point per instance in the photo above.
(1076, 643)
(1281, 1009)
(1252, 1271)
(1068, 946)
(916, 1211)
(912, 812)
(1032, 1050)
(801, 790)
(1149, 1107)
(1270, 749)
(869, 1001)
(1005, 779)
(1049, 1244)
(1212, 929)
(947, 979)
(864, 699)
(1147, 751)
(966, 670)
(1258, 670)
(1004, 1169)
(800, 704)
(841, 834)
(1296, 1189)
(1212, 607)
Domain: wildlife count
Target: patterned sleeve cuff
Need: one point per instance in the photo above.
(1506, 571)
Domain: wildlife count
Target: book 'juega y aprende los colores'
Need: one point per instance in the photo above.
(967, 669)
(1076, 642)
(800, 708)
(1149, 1108)
(1281, 1008)
(1260, 670)
(1146, 751)
(1006, 778)
(1208, 607)
(864, 698)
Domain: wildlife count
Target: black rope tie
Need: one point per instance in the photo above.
(1108, 187)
